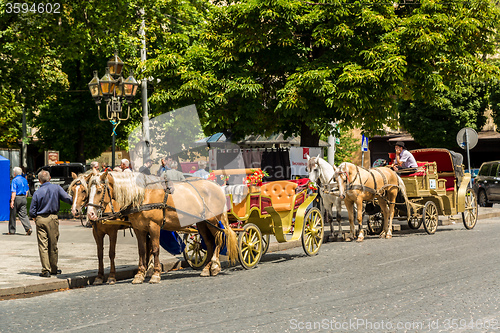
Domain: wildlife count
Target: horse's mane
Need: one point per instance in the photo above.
(129, 187)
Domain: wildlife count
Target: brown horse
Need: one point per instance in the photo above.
(357, 184)
(198, 201)
(79, 190)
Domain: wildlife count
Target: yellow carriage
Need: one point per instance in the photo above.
(439, 186)
(283, 209)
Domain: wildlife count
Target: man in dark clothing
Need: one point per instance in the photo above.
(44, 208)
(145, 169)
(18, 203)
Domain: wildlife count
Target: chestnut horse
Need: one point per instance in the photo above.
(79, 190)
(357, 184)
(321, 172)
(150, 207)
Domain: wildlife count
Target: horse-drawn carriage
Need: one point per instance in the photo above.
(438, 186)
(284, 209)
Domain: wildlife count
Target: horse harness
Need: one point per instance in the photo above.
(351, 187)
(123, 213)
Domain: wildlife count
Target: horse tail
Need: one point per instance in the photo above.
(402, 187)
(231, 239)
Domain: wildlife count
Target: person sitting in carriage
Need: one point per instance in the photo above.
(404, 159)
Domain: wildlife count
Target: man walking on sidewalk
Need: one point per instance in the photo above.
(18, 204)
(44, 208)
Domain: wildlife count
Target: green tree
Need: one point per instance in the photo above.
(436, 123)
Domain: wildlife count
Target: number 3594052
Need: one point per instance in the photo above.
(35, 8)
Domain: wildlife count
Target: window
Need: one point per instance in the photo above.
(494, 170)
(57, 172)
(485, 170)
(76, 169)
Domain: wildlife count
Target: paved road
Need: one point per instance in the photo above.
(412, 283)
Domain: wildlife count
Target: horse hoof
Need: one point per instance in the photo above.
(205, 272)
(98, 281)
(215, 269)
(156, 278)
(388, 236)
(360, 239)
(138, 279)
(111, 281)
(383, 235)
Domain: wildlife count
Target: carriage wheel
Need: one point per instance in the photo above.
(375, 223)
(266, 239)
(414, 222)
(469, 216)
(312, 232)
(250, 246)
(430, 217)
(194, 254)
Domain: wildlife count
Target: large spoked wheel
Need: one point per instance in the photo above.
(375, 223)
(430, 217)
(250, 246)
(483, 200)
(194, 254)
(312, 231)
(469, 216)
(266, 239)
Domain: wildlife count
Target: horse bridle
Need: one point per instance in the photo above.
(101, 207)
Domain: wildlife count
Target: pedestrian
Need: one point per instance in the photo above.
(125, 165)
(404, 159)
(201, 172)
(44, 208)
(146, 168)
(18, 203)
(105, 167)
(95, 166)
(173, 173)
(163, 166)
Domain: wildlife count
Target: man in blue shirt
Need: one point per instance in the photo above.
(18, 204)
(44, 208)
(202, 172)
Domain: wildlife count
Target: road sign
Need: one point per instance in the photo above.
(364, 143)
(467, 134)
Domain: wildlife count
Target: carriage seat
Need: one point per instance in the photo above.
(421, 169)
(282, 194)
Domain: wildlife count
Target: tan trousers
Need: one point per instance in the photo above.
(47, 232)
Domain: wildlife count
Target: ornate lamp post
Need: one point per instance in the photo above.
(114, 90)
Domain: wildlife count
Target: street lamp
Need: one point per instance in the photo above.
(113, 89)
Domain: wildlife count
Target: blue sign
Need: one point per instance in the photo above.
(364, 143)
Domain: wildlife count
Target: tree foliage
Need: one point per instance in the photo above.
(435, 123)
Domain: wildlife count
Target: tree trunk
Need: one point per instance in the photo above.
(307, 137)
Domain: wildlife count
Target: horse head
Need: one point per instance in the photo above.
(78, 189)
(341, 174)
(313, 168)
(100, 195)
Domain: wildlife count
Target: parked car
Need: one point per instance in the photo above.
(59, 174)
(487, 184)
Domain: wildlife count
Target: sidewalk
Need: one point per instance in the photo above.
(20, 263)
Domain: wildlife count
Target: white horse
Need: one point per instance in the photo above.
(322, 173)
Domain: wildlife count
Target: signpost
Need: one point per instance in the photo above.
(364, 147)
(467, 139)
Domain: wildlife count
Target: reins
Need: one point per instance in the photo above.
(146, 207)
